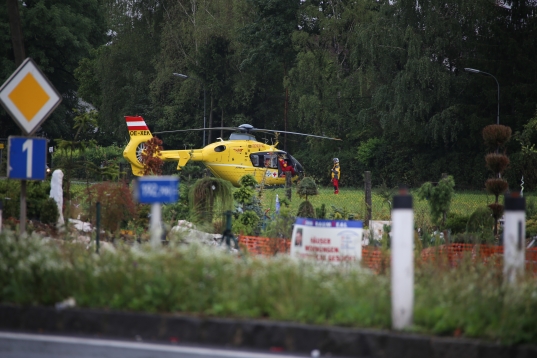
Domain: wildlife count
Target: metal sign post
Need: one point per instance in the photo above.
(29, 98)
(156, 190)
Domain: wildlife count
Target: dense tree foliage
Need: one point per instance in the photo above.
(387, 77)
(57, 34)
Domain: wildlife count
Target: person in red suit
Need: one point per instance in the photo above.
(284, 166)
(336, 175)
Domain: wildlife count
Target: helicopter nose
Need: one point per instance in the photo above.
(298, 167)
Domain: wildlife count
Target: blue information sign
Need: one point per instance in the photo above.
(27, 158)
(157, 189)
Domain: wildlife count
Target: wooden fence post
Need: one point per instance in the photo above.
(288, 185)
(368, 204)
(444, 218)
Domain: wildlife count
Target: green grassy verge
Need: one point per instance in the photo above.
(469, 301)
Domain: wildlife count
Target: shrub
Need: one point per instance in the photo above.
(151, 157)
(246, 223)
(438, 197)
(497, 210)
(49, 212)
(116, 203)
(180, 210)
(141, 216)
(282, 224)
(496, 186)
(480, 224)
(457, 223)
(37, 193)
(92, 159)
(10, 195)
(306, 210)
(497, 162)
(208, 192)
(307, 187)
(321, 211)
(531, 206)
(531, 227)
(496, 135)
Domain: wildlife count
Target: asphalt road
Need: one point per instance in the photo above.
(22, 345)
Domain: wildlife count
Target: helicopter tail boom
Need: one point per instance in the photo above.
(139, 134)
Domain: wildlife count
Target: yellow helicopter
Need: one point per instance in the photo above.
(228, 159)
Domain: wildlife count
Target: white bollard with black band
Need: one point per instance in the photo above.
(514, 234)
(402, 262)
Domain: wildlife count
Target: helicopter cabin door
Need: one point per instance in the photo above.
(265, 164)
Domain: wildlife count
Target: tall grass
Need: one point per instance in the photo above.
(470, 300)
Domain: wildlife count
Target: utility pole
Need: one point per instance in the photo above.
(19, 54)
(16, 31)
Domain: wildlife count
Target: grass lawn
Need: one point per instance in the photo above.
(352, 201)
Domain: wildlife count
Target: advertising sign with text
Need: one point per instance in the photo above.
(332, 241)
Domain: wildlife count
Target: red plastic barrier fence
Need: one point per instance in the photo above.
(379, 261)
(264, 245)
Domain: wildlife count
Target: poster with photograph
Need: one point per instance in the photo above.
(333, 241)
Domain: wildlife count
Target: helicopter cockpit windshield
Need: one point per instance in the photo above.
(270, 160)
(241, 136)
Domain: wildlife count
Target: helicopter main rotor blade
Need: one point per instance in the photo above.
(304, 134)
(247, 129)
(199, 129)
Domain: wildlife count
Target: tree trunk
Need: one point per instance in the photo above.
(210, 120)
(368, 202)
(19, 55)
(285, 111)
(16, 31)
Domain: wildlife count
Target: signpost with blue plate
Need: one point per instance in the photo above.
(156, 190)
(29, 98)
(27, 158)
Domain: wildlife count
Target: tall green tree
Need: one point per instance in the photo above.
(116, 78)
(57, 35)
(197, 40)
(269, 54)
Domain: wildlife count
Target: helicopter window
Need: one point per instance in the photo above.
(264, 160)
(272, 161)
(220, 148)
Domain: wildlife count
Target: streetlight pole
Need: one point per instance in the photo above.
(472, 70)
(204, 99)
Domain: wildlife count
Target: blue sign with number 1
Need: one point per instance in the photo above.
(27, 158)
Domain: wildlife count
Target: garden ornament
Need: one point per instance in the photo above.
(56, 192)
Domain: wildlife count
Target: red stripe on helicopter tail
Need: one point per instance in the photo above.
(136, 123)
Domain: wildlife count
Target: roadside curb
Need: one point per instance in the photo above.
(253, 334)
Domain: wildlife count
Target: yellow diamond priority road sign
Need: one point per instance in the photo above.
(29, 97)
